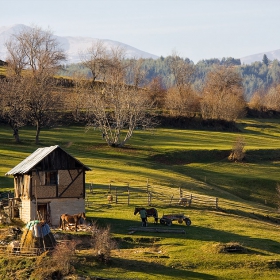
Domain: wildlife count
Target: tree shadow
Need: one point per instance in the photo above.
(155, 269)
(197, 233)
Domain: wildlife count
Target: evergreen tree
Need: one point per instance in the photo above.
(265, 60)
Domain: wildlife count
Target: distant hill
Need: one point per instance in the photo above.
(74, 45)
(71, 45)
(271, 55)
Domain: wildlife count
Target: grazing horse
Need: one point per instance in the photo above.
(71, 219)
(152, 212)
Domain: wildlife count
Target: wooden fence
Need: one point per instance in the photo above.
(147, 196)
(17, 251)
(168, 196)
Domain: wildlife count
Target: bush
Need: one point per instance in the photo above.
(238, 151)
(55, 264)
(102, 243)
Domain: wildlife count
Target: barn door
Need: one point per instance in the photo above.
(43, 212)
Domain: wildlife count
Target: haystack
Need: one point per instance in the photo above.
(37, 235)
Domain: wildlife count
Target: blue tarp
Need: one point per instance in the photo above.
(40, 229)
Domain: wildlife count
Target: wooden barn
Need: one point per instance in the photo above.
(48, 183)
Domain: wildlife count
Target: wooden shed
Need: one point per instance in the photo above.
(48, 183)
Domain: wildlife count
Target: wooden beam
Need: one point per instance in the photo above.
(156, 229)
(71, 182)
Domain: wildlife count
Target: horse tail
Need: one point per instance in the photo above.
(60, 221)
(156, 215)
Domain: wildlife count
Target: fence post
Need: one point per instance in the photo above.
(116, 196)
(149, 198)
(190, 201)
(128, 194)
(217, 200)
(181, 192)
(171, 199)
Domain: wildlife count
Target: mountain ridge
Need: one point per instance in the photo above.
(72, 45)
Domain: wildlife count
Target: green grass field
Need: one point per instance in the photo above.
(196, 161)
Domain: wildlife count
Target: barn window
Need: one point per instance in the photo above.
(51, 178)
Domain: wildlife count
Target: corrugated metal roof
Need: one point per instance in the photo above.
(27, 164)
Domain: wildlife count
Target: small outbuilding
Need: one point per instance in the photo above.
(48, 183)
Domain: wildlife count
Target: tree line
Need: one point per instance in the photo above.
(115, 94)
(255, 77)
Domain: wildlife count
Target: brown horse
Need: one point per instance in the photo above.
(71, 219)
(151, 212)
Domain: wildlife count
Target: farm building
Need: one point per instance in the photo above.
(48, 183)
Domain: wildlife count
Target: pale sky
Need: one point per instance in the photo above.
(197, 29)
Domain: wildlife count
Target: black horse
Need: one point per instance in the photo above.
(151, 212)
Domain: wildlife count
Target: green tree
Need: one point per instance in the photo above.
(265, 60)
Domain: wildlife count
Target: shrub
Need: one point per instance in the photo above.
(238, 151)
(102, 243)
(55, 264)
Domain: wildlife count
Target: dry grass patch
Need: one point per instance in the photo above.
(230, 247)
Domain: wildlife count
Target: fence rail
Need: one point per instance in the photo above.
(148, 196)
(168, 196)
(17, 251)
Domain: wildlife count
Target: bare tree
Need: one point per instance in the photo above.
(42, 100)
(16, 57)
(34, 49)
(257, 101)
(181, 99)
(38, 53)
(115, 106)
(182, 71)
(156, 93)
(118, 111)
(184, 102)
(75, 100)
(271, 100)
(223, 95)
(12, 103)
(96, 59)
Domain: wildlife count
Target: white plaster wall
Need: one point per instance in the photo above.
(25, 210)
(63, 206)
(57, 207)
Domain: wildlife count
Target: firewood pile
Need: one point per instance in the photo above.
(81, 227)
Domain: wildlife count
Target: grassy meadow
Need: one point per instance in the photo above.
(169, 159)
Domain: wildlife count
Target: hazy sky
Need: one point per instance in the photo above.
(197, 29)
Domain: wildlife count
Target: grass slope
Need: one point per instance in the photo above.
(196, 161)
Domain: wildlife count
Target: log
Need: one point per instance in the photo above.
(156, 229)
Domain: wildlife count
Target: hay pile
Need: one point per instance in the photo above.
(37, 235)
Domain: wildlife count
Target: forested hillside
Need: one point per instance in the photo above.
(258, 76)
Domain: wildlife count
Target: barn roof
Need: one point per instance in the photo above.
(36, 157)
